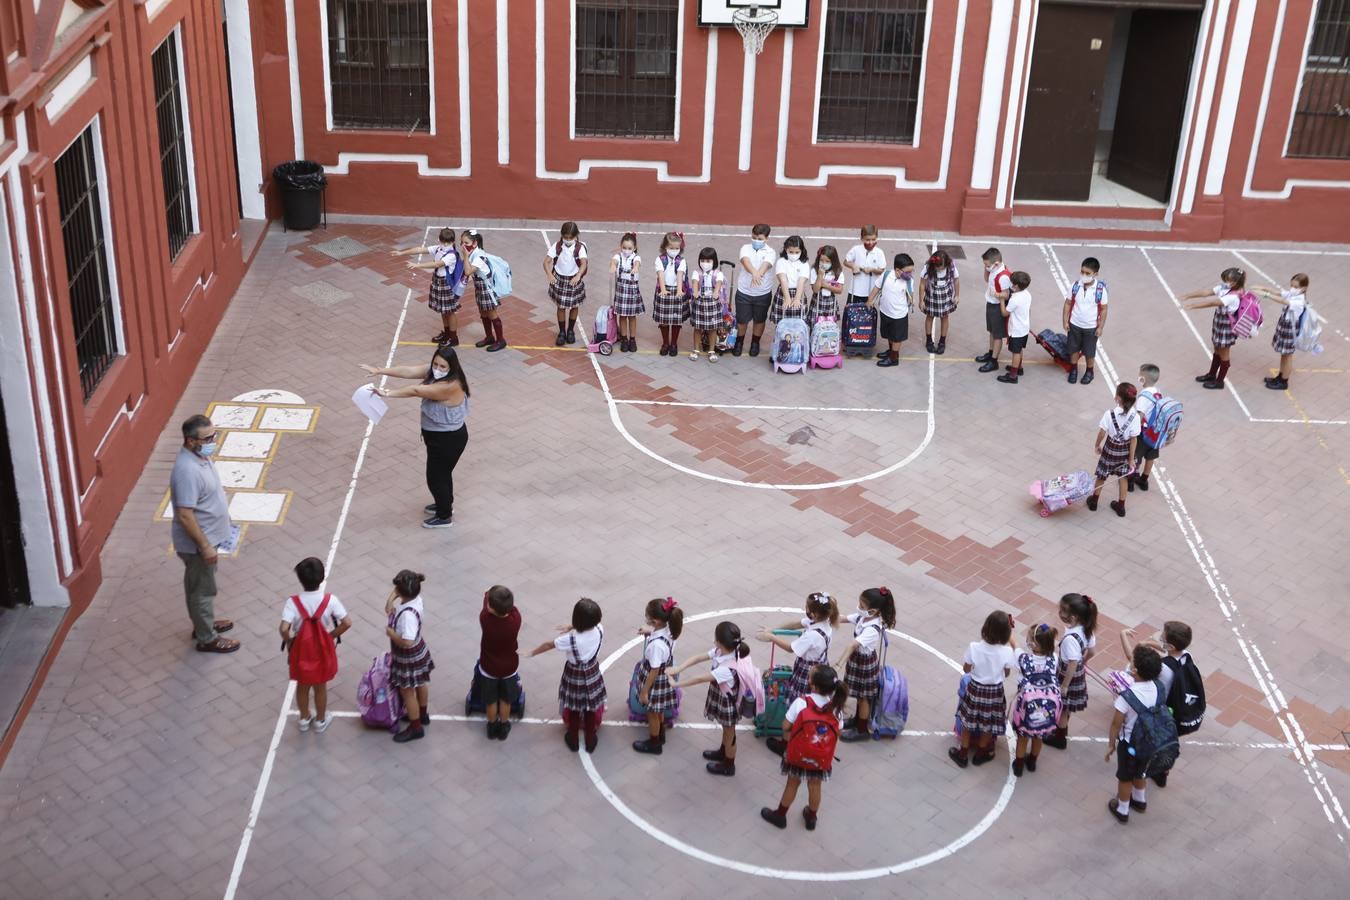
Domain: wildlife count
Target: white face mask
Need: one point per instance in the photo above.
(438, 374)
(941, 272)
(1086, 279)
(1287, 293)
(673, 252)
(705, 266)
(569, 244)
(794, 256)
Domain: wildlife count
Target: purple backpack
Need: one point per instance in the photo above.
(380, 704)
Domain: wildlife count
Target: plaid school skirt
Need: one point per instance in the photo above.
(786, 307)
(670, 310)
(705, 312)
(628, 298)
(823, 305)
(442, 298)
(1285, 331)
(984, 709)
(800, 683)
(662, 695)
(410, 666)
(566, 294)
(724, 709)
(940, 298)
(803, 774)
(1115, 458)
(863, 675)
(1221, 332)
(582, 687)
(1076, 692)
(482, 294)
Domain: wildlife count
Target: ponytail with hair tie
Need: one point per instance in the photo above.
(668, 604)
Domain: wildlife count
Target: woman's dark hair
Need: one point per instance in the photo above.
(1126, 394)
(629, 236)
(760, 230)
(902, 260)
(500, 599)
(585, 614)
(828, 251)
(667, 613)
(792, 241)
(447, 353)
(408, 583)
(569, 230)
(1147, 663)
(1236, 277)
(1082, 610)
(820, 607)
(1092, 263)
(472, 234)
(882, 602)
(825, 680)
(1044, 638)
(728, 635)
(940, 259)
(310, 572)
(1021, 280)
(447, 236)
(997, 627)
(709, 253)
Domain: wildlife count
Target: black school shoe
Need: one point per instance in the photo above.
(723, 767)
(571, 335)
(503, 729)
(754, 351)
(773, 817)
(650, 745)
(1088, 376)
(560, 339)
(1092, 505)
(1007, 378)
(1118, 507)
(989, 366)
(1073, 375)
(1122, 818)
(1159, 780)
(984, 357)
(809, 817)
(714, 755)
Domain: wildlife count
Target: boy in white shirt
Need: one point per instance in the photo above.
(310, 572)
(1017, 310)
(1131, 769)
(998, 285)
(1149, 395)
(867, 262)
(1085, 317)
(893, 297)
(754, 288)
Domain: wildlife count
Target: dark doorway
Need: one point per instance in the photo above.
(13, 569)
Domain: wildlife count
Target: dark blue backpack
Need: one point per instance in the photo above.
(1154, 739)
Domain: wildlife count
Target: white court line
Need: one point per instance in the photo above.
(1296, 741)
(260, 792)
(845, 409)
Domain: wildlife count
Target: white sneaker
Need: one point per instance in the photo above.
(321, 725)
(712, 357)
(304, 724)
(693, 354)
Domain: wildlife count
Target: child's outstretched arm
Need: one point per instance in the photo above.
(675, 670)
(852, 648)
(542, 648)
(697, 679)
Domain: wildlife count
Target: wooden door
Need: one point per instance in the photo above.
(1064, 102)
(1153, 91)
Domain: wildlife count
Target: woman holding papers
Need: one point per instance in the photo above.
(444, 392)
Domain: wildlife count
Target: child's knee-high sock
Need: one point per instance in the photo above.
(1223, 371)
(665, 335)
(574, 722)
(487, 325)
(674, 335)
(1214, 363)
(497, 330)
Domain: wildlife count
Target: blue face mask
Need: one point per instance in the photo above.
(207, 449)
(758, 245)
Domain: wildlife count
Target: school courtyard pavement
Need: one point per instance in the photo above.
(149, 770)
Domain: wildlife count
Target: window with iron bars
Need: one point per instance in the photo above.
(377, 64)
(173, 151)
(87, 277)
(625, 67)
(869, 86)
(1321, 126)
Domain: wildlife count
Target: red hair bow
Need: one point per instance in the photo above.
(668, 604)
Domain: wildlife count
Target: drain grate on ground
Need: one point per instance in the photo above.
(342, 248)
(321, 293)
(955, 251)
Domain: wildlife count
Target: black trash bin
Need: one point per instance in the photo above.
(302, 185)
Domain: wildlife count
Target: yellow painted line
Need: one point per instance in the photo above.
(1340, 467)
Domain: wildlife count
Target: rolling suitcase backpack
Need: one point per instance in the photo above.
(791, 344)
(825, 341)
(860, 329)
(891, 709)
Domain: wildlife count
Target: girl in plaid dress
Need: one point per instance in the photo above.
(983, 708)
(476, 268)
(1079, 613)
(723, 705)
(862, 674)
(565, 266)
(1225, 298)
(827, 691)
(811, 648)
(829, 281)
(793, 276)
(446, 288)
(705, 305)
(939, 295)
(1039, 667)
(1295, 302)
(581, 693)
(627, 302)
(1117, 434)
(670, 305)
(665, 621)
(410, 660)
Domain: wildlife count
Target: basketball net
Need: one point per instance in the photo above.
(754, 25)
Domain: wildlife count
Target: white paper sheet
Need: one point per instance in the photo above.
(370, 403)
(231, 545)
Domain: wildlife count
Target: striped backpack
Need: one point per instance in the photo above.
(1247, 319)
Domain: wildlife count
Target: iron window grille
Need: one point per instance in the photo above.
(625, 65)
(1321, 126)
(173, 153)
(869, 86)
(378, 64)
(87, 279)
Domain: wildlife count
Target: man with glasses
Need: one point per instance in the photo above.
(201, 524)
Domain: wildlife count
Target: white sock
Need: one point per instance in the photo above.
(1123, 807)
(1137, 795)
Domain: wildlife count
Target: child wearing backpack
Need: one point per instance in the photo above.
(477, 269)
(809, 754)
(893, 296)
(1085, 317)
(1017, 310)
(670, 306)
(862, 657)
(1039, 702)
(410, 660)
(1079, 644)
(565, 267)
(705, 304)
(1225, 297)
(723, 706)
(581, 692)
(1145, 456)
(1117, 440)
(446, 286)
(627, 302)
(1142, 732)
(312, 648)
(811, 648)
(665, 621)
(498, 659)
(1294, 299)
(1179, 679)
(939, 295)
(983, 710)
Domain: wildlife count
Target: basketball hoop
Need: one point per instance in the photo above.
(754, 25)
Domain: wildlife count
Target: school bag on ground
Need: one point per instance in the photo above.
(825, 343)
(1187, 696)
(769, 721)
(500, 270)
(860, 327)
(379, 703)
(891, 709)
(473, 701)
(1247, 319)
(1038, 705)
(313, 653)
(1163, 422)
(1154, 739)
(813, 737)
(1308, 332)
(791, 342)
(637, 710)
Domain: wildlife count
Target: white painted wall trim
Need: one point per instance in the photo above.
(1228, 99)
(503, 85)
(1016, 106)
(297, 119)
(177, 37)
(748, 111)
(1214, 51)
(1192, 96)
(431, 60)
(327, 64)
(69, 87)
(991, 92)
(154, 8)
(923, 72)
(248, 145)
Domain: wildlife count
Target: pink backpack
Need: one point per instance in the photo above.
(751, 686)
(1248, 317)
(380, 704)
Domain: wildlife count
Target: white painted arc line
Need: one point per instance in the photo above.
(843, 409)
(265, 777)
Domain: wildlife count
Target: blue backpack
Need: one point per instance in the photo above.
(499, 271)
(891, 710)
(1154, 739)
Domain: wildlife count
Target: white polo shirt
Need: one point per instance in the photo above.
(565, 263)
(1019, 314)
(745, 282)
(863, 258)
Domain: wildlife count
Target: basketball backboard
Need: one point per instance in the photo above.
(791, 13)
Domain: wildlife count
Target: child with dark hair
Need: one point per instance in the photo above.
(829, 282)
(446, 288)
(628, 304)
(939, 295)
(410, 660)
(827, 694)
(498, 659)
(794, 277)
(811, 648)
(1224, 297)
(1040, 669)
(862, 674)
(723, 705)
(665, 621)
(313, 663)
(893, 296)
(1117, 436)
(1172, 645)
(1145, 667)
(581, 692)
(1017, 310)
(983, 708)
(1084, 318)
(754, 288)
(1079, 644)
(478, 270)
(998, 287)
(1145, 456)
(670, 304)
(705, 304)
(565, 266)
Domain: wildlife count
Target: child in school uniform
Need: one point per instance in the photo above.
(313, 663)
(410, 660)
(705, 304)
(983, 708)
(998, 286)
(827, 693)
(477, 270)
(1144, 455)
(810, 649)
(794, 277)
(581, 692)
(1085, 317)
(1039, 667)
(670, 305)
(1224, 297)
(1117, 439)
(1145, 667)
(862, 657)
(628, 304)
(443, 296)
(1294, 299)
(1079, 613)
(893, 296)
(723, 706)
(867, 262)
(754, 288)
(1172, 646)
(498, 659)
(939, 295)
(829, 282)
(565, 267)
(1017, 311)
(665, 621)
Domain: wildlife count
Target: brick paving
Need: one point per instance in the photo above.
(134, 773)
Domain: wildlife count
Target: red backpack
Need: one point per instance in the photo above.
(813, 737)
(313, 653)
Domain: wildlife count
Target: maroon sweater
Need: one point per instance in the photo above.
(497, 655)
